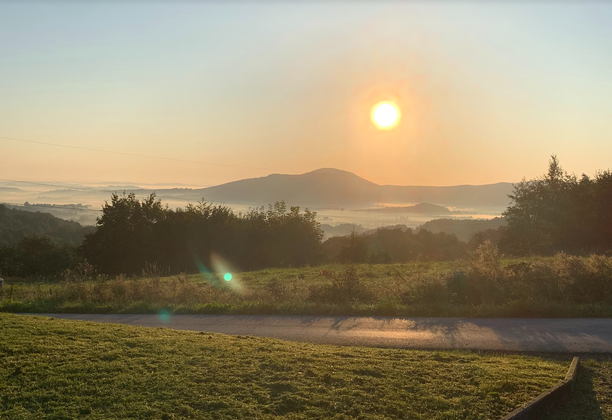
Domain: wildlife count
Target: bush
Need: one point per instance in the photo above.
(344, 288)
(427, 289)
(530, 282)
(460, 289)
(81, 272)
(484, 277)
(584, 281)
(566, 279)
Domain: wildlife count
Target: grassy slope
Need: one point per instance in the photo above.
(593, 395)
(64, 369)
(275, 291)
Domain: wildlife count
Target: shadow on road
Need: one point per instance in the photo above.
(518, 334)
(514, 334)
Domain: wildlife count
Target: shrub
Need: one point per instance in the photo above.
(484, 277)
(534, 281)
(426, 289)
(584, 281)
(460, 289)
(277, 289)
(82, 271)
(344, 288)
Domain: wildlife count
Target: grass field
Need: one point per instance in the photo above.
(413, 289)
(593, 395)
(64, 369)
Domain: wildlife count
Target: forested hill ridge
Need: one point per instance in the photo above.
(16, 225)
(334, 187)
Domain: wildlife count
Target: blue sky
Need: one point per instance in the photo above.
(487, 90)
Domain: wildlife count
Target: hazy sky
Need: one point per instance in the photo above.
(487, 90)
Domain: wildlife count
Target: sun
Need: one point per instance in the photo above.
(385, 115)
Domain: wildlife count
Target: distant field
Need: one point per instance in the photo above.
(64, 369)
(413, 289)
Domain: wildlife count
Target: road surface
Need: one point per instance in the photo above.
(509, 334)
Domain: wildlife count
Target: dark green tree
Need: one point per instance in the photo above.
(37, 256)
(124, 239)
(559, 213)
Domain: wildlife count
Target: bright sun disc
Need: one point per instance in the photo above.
(385, 115)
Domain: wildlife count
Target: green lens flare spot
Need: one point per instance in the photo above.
(164, 316)
(227, 277)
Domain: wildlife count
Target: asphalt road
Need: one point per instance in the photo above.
(509, 334)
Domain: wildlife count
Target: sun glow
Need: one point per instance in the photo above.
(385, 115)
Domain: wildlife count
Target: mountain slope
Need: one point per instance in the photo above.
(16, 225)
(335, 188)
(323, 187)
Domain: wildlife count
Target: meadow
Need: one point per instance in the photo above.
(65, 369)
(484, 285)
(592, 398)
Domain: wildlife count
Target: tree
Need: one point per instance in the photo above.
(37, 256)
(132, 233)
(124, 241)
(559, 213)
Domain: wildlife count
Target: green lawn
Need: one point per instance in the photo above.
(64, 369)
(593, 395)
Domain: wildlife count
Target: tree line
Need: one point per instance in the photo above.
(554, 213)
(559, 212)
(132, 233)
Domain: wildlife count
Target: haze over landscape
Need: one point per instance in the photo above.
(486, 92)
(337, 196)
(350, 209)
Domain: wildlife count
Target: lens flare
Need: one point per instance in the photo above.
(164, 316)
(223, 270)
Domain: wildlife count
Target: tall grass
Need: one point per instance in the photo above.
(484, 284)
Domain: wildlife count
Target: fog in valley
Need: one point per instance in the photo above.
(353, 209)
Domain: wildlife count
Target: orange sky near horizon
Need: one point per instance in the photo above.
(486, 92)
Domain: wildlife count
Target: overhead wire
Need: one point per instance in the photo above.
(107, 189)
(260, 168)
(134, 154)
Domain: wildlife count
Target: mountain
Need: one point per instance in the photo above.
(335, 188)
(321, 189)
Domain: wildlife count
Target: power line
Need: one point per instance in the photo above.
(198, 161)
(114, 190)
(134, 154)
(74, 187)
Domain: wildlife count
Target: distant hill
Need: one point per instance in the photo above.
(342, 229)
(80, 213)
(16, 224)
(321, 189)
(336, 188)
(464, 229)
